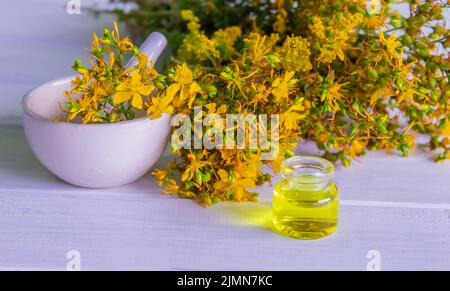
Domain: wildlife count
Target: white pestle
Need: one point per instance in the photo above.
(153, 46)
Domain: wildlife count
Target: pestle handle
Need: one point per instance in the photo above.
(153, 46)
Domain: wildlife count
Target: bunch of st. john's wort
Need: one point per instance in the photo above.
(353, 51)
(344, 76)
(345, 82)
(107, 91)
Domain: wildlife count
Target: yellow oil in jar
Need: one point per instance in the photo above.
(305, 207)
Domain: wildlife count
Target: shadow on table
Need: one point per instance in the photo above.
(249, 214)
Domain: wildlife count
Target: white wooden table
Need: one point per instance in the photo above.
(395, 206)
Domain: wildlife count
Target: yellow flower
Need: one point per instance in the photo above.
(332, 95)
(282, 86)
(356, 148)
(91, 116)
(95, 43)
(133, 88)
(318, 28)
(77, 106)
(296, 54)
(261, 93)
(194, 165)
(188, 15)
(260, 45)
(326, 55)
(248, 164)
(99, 91)
(340, 31)
(339, 50)
(171, 187)
(196, 45)
(193, 90)
(235, 185)
(160, 175)
(212, 108)
(381, 93)
(184, 86)
(116, 30)
(391, 43)
(126, 45)
(410, 141)
(160, 105)
(183, 75)
(446, 129)
(225, 39)
(290, 118)
(408, 94)
(143, 61)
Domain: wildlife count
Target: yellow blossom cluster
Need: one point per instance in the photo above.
(254, 81)
(334, 83)
(107, 92)
(348, 77)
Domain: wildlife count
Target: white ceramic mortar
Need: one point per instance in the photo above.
(93, 155)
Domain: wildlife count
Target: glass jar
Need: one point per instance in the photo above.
(306, 201)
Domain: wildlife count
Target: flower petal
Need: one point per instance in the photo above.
(137, 101)
(121, 97)
(172, 90)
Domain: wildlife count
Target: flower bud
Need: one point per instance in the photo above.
(373, 75)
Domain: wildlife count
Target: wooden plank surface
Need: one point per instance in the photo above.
(398, 207)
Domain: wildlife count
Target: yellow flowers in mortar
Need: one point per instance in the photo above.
(108, 91)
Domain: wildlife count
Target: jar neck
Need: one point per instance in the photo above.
(311, 173)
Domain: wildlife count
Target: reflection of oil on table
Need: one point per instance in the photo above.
(398, 207)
